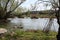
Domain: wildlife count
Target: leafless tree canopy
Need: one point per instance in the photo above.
(8, 6)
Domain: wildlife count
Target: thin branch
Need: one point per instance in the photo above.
(11, 5)
(6, 5)
(15, 8)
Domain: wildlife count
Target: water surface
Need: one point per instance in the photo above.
(35, 24)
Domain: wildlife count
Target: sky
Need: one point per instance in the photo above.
(27, 4)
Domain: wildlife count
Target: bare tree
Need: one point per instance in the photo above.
(56, 4)
(34, 6)
(58, 21)
(47, 3)
(8, 6)
(48, 27)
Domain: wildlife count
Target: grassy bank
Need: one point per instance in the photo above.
(18, 34)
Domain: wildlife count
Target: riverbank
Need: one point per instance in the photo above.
(19, 34)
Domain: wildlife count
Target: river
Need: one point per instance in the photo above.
(35, 24)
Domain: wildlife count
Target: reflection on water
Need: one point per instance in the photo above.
(36, 24)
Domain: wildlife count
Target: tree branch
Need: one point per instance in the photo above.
(15, 8)
(11, 5)
(6, 5)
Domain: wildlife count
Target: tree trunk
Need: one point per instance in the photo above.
(58, 21)
(48, 27)
(3, 19)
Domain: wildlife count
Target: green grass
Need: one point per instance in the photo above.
(18, 34)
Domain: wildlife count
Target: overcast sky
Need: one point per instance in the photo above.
(27, 4)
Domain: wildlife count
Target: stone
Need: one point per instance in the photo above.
(3, 30)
